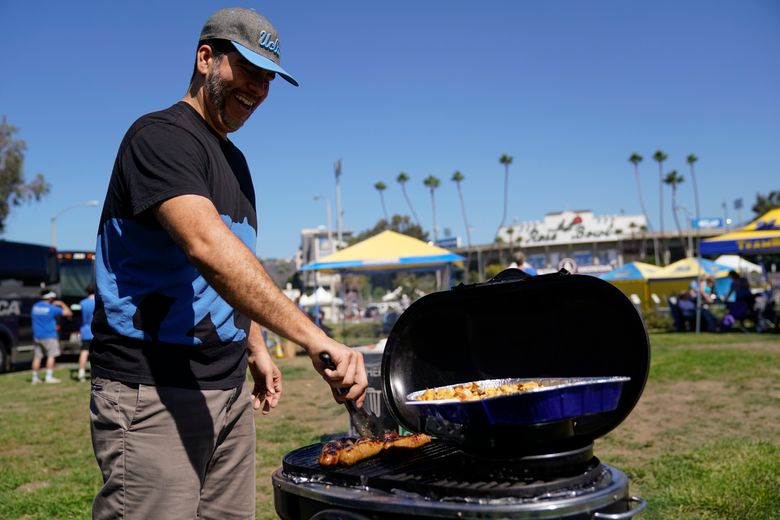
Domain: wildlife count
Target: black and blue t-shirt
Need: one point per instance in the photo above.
(157, 320)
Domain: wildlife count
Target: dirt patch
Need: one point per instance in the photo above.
(33, 486)
(683, 415)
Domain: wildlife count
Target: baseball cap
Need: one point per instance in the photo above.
(251, 33)
(48, 294)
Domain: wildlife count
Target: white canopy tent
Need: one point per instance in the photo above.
(320, 297)
(751, 271)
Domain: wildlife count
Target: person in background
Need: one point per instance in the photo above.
(522, 264)
(740, 288)
(708, 293)
(44, 327)
(87, 309)
(181, 296)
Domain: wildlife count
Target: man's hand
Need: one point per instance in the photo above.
(350, 374)
(267, 377)
(268, 381)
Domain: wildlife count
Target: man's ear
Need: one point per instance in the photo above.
(203, 59)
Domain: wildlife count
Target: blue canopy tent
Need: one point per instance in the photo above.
(760, 236)
(632, 279)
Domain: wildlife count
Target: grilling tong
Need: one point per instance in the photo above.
(366, 423)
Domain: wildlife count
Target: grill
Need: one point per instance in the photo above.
(509, 327)
(443, 481)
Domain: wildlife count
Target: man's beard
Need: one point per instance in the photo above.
(218, 92)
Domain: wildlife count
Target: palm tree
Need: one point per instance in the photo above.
(673, 179)
(432, 183)
(660, 157)
(381, 187)
(506, 160)
(457, 178)
(635, 159)
(510, 231)
(402, 178)
(691, 160)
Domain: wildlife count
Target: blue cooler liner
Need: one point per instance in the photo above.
(554, 400)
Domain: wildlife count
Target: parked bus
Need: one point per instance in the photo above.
(26, 269)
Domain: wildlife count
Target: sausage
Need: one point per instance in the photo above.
(362, 449)
(346, 451)
(408, 441)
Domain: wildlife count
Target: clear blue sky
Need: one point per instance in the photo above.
(568, 88)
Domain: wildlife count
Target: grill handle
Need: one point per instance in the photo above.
(631, 513)
(513, 275)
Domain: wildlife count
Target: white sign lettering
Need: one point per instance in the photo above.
(569, 227)
(10, 308)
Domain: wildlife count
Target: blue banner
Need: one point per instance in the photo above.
(707, 223)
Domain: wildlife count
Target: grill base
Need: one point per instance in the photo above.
(440, 470)
(441, 481)
(297, 499)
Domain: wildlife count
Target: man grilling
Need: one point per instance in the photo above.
(181, 298)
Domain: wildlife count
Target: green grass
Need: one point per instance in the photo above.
(710, 468)
(724, 479)
(723, 363)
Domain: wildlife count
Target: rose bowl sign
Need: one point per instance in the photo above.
(567, 227)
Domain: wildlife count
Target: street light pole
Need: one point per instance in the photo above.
(339, 211)
(327, 216)
(698, 267)
(53, 225)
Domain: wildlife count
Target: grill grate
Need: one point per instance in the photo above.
(439, 470)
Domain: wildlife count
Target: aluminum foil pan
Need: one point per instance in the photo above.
(555, 399)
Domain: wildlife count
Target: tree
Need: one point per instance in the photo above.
(660, 157)
(399, 223)
(381, 187)
(691, 160)
(14, 191)
(402, 180)
(635, 159)
(432, 183)
(506, 160)
(457, 178)
(765, 203)
(511, 241)
(673, 179)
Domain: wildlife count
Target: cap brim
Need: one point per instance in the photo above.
(49, 295)
(263, 62)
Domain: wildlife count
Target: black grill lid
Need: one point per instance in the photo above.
(516, 326)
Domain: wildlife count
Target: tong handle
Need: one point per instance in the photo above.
(325, 358)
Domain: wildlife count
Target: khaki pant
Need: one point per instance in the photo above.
(173, 453)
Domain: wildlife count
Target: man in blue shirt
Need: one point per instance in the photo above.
(87, 309)
(44, 325)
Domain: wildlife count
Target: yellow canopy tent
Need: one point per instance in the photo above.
(677, 277)
(760, 236)
(631, 279)
(388, 250)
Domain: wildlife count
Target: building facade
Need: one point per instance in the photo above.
(583, 242)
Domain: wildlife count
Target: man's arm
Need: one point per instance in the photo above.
(66, 312)
(237, 275)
